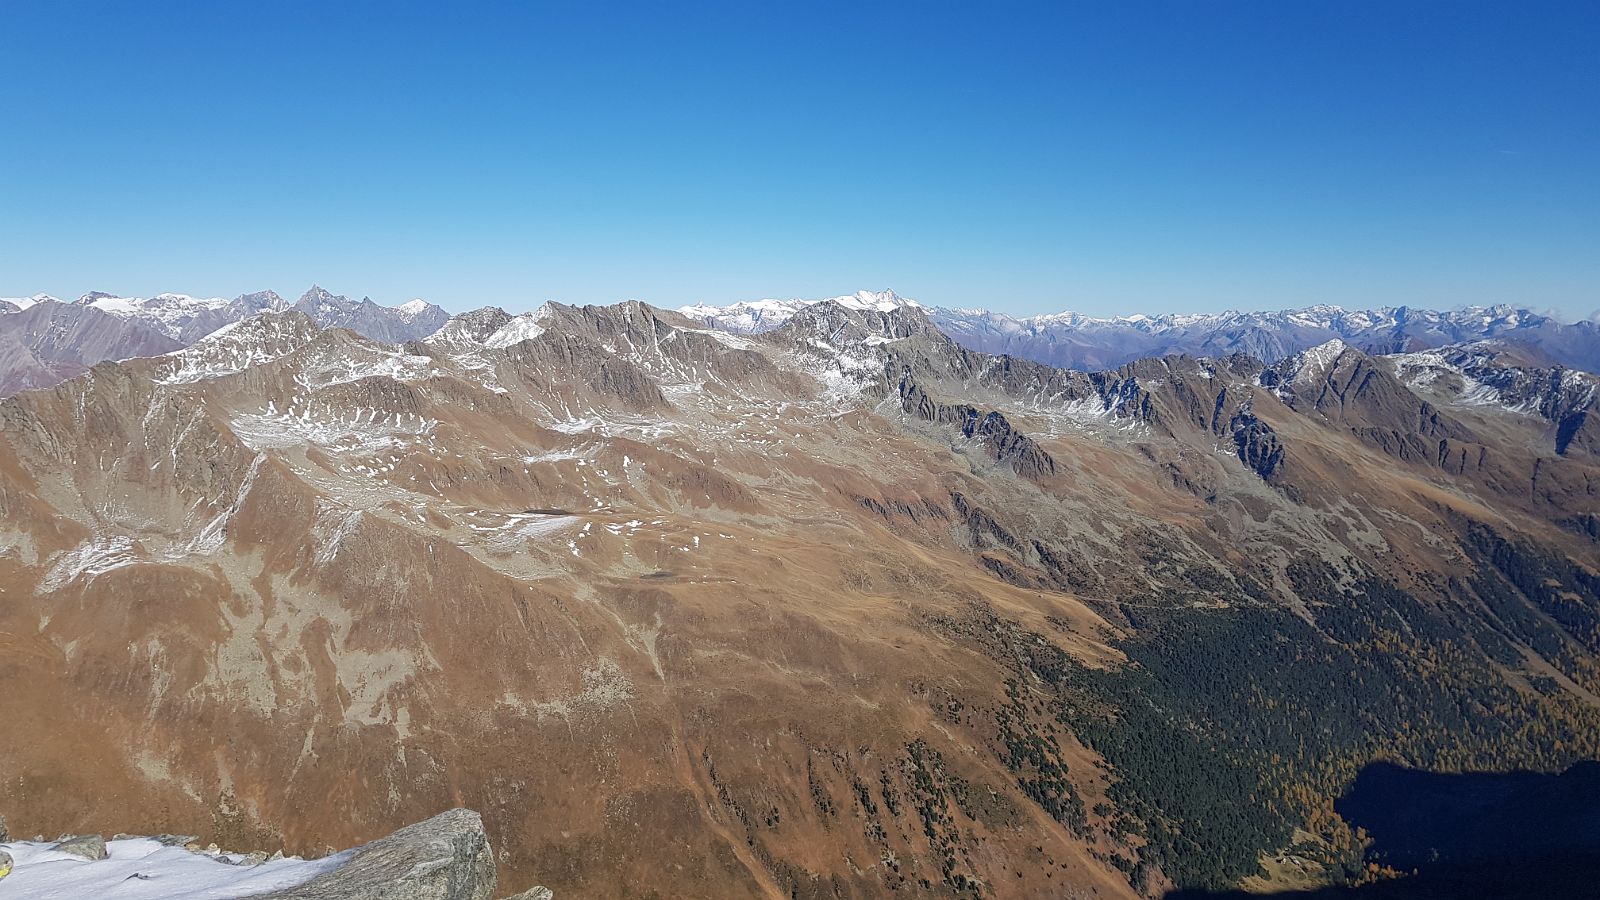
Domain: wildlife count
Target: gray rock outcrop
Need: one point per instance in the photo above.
(88, 846)
(446, 857)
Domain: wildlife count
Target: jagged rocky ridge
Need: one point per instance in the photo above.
(840, 607)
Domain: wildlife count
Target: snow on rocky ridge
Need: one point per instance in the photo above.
(750, 316)
(521, 328)
(1307, 365)
(167, 313)
(185, 318)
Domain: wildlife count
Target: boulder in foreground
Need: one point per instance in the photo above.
(446, 857)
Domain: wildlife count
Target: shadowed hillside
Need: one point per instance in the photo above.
(1473, 834)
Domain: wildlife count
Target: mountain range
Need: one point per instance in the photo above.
(837, 606)
(52, 340)
(1075, 341)
(44, 340)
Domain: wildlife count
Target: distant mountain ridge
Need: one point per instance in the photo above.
(753, 316)
(48, 342)
(45, 340)
(1089, 343)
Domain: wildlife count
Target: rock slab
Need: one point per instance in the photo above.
(88, 846)
(446, 857)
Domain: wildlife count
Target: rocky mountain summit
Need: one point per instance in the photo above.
(753, 316)
(842, 607)
(411, 321)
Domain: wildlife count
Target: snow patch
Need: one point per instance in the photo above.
(752, 316)
(143, 869)
(522, 328)
(361, 430)
(333, 525)
(87, 560)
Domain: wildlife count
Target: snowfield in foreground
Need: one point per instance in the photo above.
(144, 869)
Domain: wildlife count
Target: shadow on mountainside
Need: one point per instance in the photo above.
(1474, 834)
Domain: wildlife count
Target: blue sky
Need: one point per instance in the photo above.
(1105, 157)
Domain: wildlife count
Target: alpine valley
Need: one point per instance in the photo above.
(837, 598)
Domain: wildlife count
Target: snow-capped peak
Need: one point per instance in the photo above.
(750, 316)
(468, 330)
(319, 297)
(1311, 363)
(881, 301)
(167, 313)
(519, 329)
(1318, 358)
(22, 303)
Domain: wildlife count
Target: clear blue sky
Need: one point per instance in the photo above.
(1106, 156)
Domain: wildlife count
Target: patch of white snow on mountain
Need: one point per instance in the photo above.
(22, 303)
(334, 524)
(367, 362)
(210, 537)
(144, 869)
(234, 348)
(751, 316)
(359, 430)
(411, 309)
(90, 558)
(1307, 364)
(524, 327)
(167, 313)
